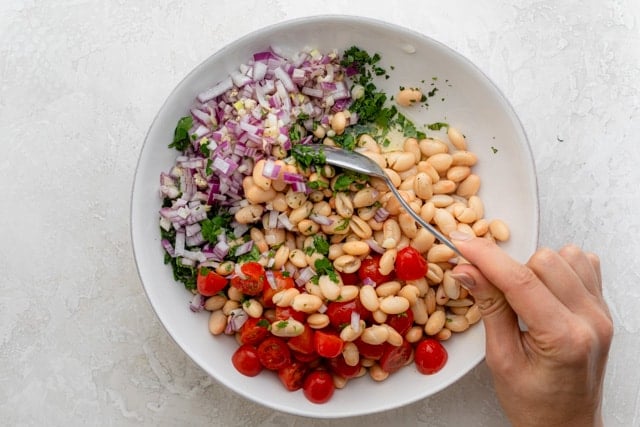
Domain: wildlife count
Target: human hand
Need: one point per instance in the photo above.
(552, 373)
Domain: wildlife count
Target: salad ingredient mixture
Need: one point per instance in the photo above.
(318, 272)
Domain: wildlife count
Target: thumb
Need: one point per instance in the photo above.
(503, 339)
(500, 321)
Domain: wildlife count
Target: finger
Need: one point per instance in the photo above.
(562, 278)
(595, 263)
(580, 263)
(500, 321)
(525, 293)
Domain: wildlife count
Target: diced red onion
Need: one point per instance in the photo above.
(272, 220)
(197, 303)
(290, 178)
(284, 77)
(244, 248)
(180, 243)
(239, 273)
(299, 187)
(284, 220)
(375, 246)
(271, 170)
(216, 90)
(304, 276)
(166, 244)
(368, 281)
(355, 321)
(381, 215)
(271, 279)
(320, 219)
(237, 318)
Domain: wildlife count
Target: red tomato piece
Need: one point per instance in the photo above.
(245, 360)
(410, 264)
(310, 358)
(254, 330)
(284, 313)
(253, 270)
(253, 282)
(281, 283)
(247, 286)
(349, 278)
(370, 268)
(369, 351)
(318, 386)
(340, 367)
(293, 375)
(401, 322)
(394, 357)
(209, 282)
(327, 344)
(274, 353)
(431, 356)
(303, 343)
(340, 312)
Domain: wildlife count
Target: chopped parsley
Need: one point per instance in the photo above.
(186, 274)
(409, 129)
(343, 181)
(281, 324)
(343, 225)
(438, 125)
(324, 267)
(494, 149)
(306, 156)
(212, 227)
(320, 245)
(181, 138)
(252, 255)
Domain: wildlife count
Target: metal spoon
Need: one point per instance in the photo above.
(357, 162)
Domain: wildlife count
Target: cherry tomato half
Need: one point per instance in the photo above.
(318, 386)
(369, 268)
(293, 375)
(245, 360)
(431, 356)
(369, 351)
(274, 353)
(253, 282)
(394, 357)
(209, 282)
(303, 343)
(284, 313)
(401, 322)
(340, 312)
(349, 278)
(327, 344)
(340, 367)
(410, 264)
(254, 330)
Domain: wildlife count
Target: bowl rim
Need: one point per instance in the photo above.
(340, 19)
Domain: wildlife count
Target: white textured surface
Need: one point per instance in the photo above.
(80, 82)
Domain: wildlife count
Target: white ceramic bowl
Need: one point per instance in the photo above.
(472, 103)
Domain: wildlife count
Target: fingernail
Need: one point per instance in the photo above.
(459, 235)
(465, 280)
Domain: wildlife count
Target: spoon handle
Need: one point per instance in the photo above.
(441, 237)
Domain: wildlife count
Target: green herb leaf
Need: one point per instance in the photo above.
(212, 227)
(324, 267)
(438, 125)
(306, 156)
(181, 140)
